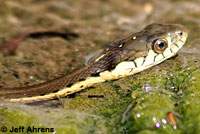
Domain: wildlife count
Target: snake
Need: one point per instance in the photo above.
(124, 57)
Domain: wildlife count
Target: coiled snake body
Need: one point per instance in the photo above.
(127, 56)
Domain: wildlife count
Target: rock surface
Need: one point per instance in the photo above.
(136, 104)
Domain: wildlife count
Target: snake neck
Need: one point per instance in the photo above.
(107, 62)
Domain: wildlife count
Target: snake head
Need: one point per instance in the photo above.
(155, 43)
(164, 41)
(165, 36)
(152, 45)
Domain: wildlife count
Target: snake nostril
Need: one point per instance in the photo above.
(180, 33)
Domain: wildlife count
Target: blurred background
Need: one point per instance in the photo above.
(75, 29)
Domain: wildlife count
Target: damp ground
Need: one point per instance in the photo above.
(135, 104)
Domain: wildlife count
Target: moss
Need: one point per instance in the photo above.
(165, 95)
(63, 123)
(111, 106)
(10, 118)
(189, 106)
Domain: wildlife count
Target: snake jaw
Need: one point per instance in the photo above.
(178, 44)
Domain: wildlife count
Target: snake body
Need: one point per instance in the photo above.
(124, 57)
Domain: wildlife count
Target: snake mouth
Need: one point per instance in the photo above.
(181, 39)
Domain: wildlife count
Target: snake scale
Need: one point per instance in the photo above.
(126, 56)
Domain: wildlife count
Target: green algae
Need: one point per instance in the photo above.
(189, 106)
(111, 106)
(147, 109)
(152, 107)
(63, 123)
(10, 118)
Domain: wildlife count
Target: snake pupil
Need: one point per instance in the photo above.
(161, 44)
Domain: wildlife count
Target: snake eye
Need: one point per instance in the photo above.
(159, 45)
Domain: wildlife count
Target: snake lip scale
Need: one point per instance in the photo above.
(126, 56)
